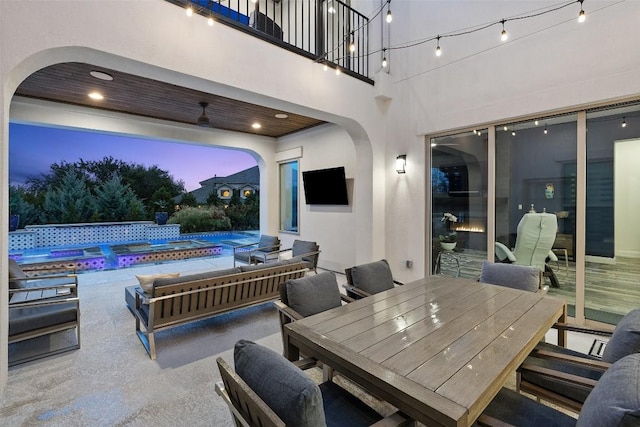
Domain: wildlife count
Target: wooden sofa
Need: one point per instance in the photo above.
(176, 301)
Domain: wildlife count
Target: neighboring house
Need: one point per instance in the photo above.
(245, 182)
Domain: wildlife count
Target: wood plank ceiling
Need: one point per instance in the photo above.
(127, 93)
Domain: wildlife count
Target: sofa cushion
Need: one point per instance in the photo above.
(615, 400)
(522, 277)
(313, 294)
(625, 339)
(286, 389)
(146, 280)
(193, 277)
(373, 277)
(29, 319)
(15, 272)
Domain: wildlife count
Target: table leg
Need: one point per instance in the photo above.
(291, 352)
(562, 333)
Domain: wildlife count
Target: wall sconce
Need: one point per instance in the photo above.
(401, 162)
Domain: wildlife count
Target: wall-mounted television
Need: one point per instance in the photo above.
(325, 187)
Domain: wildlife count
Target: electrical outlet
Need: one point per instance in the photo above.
(409, 263)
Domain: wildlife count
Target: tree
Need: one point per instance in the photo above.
(116, 201)
(188, 199)
(213, 199)
(162, 200)
(70, 202)
(29, 214)
(245, 216)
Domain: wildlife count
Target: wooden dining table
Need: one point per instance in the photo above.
(439, 349)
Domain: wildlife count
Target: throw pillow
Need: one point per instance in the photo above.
(373, 277)
(625, 339)
(286, 389)
(146, 280)
(313, 294)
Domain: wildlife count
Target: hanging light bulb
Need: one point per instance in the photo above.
(389, 16)
(505, 128)
(624, 122)
(536, 123)
(513, 133)
(438, 50)
(210, 21)
(475, 131)
(337, 71)
(581, 16)
(189, 10)
(503, 36)
(325, 67)
(545, 129)
(384, 58)
(352, 46)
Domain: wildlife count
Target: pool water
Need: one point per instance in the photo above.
(99, 256)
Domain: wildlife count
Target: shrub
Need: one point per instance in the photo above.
(194, 220)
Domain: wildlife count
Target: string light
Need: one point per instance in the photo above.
(189, 10)
(581, 16)
(545, 129)
(389, 16)
(624, 122)
(325, 67)
(352, 45)
(536, 123)
(504, 36)
(505, 128)
(384, 58)
(210, 21)
(513, 132)
(337, 71)
(438, 50)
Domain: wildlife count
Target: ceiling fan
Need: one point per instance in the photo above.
(203, 120)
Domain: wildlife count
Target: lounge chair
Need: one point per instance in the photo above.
(267, 248)
(308, 251)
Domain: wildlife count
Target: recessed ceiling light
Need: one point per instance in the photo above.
(96, 95)
(281, 116)
(102, 76)
(256, 125)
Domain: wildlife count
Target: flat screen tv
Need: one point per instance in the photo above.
(325, 187)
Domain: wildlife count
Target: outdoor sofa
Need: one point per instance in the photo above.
(172, 301)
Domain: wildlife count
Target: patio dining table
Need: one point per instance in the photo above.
(439, 349)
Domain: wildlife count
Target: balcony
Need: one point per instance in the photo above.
(321, 30)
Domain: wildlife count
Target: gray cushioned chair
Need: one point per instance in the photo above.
(264, 249)
(566, 377)
(521, 277)
(301, 249)
(307, 296)
(268, 390)
(368, 279)
(614, 402)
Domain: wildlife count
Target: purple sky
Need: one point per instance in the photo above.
(32, 149)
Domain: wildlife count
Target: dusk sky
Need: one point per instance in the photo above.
(32, 149)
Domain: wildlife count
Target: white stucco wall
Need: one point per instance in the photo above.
(549, 64)
(627, 202)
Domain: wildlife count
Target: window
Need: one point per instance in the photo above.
(247, 193)
(289, 196)
(225, 193)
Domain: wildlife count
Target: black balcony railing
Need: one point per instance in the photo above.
(322, 30)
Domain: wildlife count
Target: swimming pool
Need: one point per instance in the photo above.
(113, 255)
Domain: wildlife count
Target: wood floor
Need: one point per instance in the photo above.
(611, 290)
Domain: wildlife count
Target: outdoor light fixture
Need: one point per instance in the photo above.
(438, 50)
(401, 162)
(503, 35)
(624, 122)
(581, 16)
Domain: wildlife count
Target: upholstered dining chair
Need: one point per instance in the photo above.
(536, 234)
(523, 277)
(566, 377)
(300, 298)
(368, 279)
(267, 390)
(306, 250)
(614, 402)
(267, 248)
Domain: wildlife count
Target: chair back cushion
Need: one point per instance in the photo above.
(536, 234)
(15, 272)
(373, 277)
(522, 277)
(286, 389)
(615, 400)
(301, 247)
(272, 243)
(625, 339)
(313, 294)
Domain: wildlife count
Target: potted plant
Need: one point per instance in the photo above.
(161, 215)
(448, 240)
